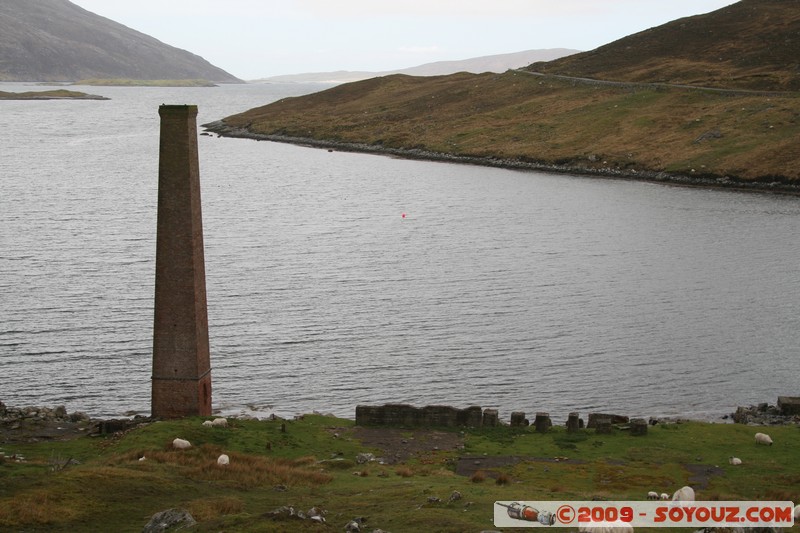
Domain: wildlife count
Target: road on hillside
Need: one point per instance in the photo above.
(634, 85)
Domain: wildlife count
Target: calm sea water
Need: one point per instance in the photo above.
(506, 289)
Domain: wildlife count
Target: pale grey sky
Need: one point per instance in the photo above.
(259, 38)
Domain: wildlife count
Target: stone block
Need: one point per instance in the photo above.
(638, 427)
(573, 423)
(518, 419)
(789, 405)
(614, 419)
(542, 422)
(602, 425)
(404, 415)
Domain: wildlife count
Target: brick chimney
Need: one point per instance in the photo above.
(181, 358)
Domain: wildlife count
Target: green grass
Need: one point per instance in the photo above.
(313, 463)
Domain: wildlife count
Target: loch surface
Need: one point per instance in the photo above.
(521, 291)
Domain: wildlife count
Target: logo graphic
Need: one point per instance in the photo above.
(517, 511)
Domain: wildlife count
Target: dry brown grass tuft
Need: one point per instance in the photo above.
(718, 496)
(404, 471)
(39, 507)
(211, 508)
(781, 495)
(244, 471)
(478, 476)
(503, 479)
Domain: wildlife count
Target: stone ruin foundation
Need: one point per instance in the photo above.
(786, 411)
(431, 415)
(404, 415)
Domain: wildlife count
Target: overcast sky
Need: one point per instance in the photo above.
(259, 38)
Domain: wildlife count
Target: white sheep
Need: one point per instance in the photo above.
(664, 496)
(220, 422)
(208, 423)
(734, 460)
(181, 444)
(683, 494)
(797, 513)
(223, 460)
(652, 495)
(763, 438)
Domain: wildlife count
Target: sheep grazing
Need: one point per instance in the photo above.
(664, 496)
(734, 460)
(181, 444)
(208, 423)
(223, 460)
(220, 422)
(763, 438)
(652, 495)
(683, 494)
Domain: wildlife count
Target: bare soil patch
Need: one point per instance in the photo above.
(400, 445)
(28, 431)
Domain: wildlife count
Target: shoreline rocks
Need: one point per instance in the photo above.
(773, 184)
(764, 414)
(15, 415)
(22, 418)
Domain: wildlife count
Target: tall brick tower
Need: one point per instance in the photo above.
(181, 358)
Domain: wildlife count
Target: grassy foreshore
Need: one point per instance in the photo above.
(99, 483)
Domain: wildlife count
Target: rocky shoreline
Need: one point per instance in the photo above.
(764, 414)
(777, 185)
(31, 424)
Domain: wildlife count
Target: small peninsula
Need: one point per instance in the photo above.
(708, 101)
(58, 94)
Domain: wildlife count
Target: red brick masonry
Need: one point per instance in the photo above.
(181, 359)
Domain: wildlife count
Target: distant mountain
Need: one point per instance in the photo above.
(55, 40)
(752, 44)
(494, 63)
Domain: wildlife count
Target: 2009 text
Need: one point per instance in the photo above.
(605, 514)
(644, 513)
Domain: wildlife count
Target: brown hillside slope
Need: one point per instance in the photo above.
(56, 40)
(753, 44)
(637, 130)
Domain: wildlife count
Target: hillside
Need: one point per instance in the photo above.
(493, 63)
(643, 130)
(55, 40)
(753, 44)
